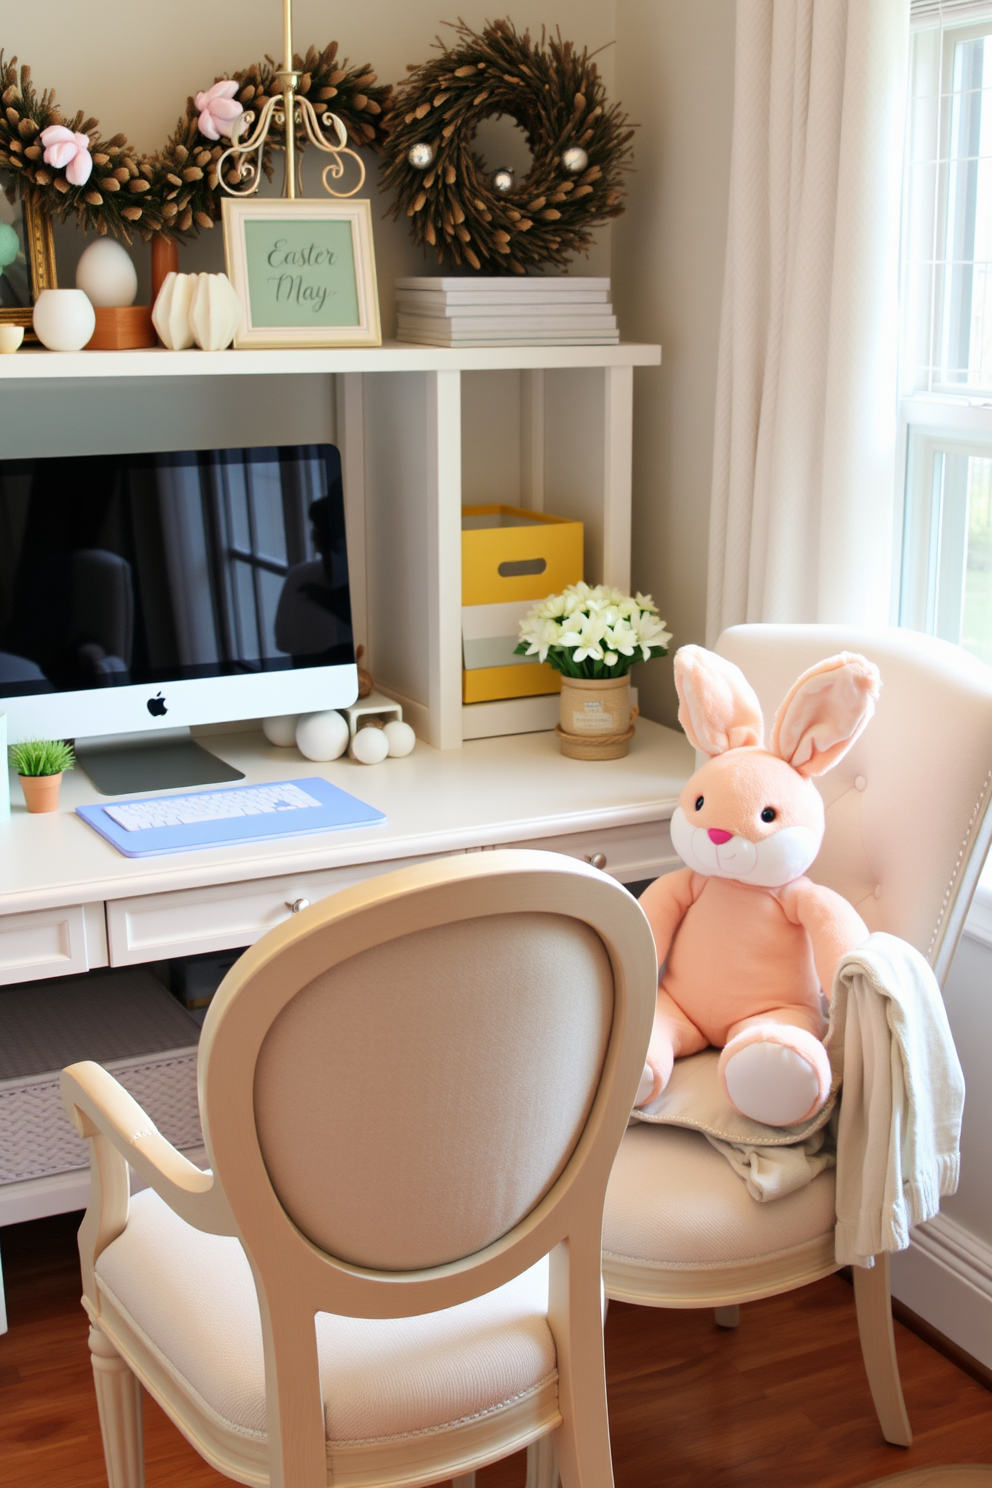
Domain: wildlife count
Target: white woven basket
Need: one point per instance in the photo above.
(126, 1021)
(36, 1136)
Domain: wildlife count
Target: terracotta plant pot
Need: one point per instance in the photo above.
(595, 717)
(41, 792)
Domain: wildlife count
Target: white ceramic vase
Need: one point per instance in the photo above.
(215, 313)
(200, 308)
(170, 314)
(63, 319)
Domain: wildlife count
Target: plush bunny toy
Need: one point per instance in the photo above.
(747, 942)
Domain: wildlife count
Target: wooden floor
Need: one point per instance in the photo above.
(780, 1402)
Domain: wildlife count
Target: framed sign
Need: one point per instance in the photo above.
(27, 259)
(304, 272)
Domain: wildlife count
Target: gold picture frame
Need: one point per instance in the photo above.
(39, 253)
(304, 272)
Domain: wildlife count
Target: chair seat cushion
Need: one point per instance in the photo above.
(674, 1201)
(193, 1299)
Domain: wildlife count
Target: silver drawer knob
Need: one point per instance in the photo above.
(598, 860)
(297, 904)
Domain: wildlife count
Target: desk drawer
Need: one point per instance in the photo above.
(185, 922)
(51, 942)
(631, 853)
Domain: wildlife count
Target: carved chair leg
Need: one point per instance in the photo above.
(118, 1398)
(727, 1317)
(542, 1463)
(873, 1302)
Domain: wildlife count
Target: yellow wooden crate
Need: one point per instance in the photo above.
(490, 684)
(511, 558)
(509, 553)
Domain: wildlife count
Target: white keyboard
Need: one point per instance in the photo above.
(207, 806)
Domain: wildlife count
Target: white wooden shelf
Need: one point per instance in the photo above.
(394, 356)
(422, 431)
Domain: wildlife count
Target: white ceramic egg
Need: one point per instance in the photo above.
(281, 731)
(400, 738)
(63, 319)
(369, 746)
(322, 736)
(106, 274)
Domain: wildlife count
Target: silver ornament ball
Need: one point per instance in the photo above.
(503, 179)
(575, 160)
(420, 155)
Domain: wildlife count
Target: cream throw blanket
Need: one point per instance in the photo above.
(896, 1131)
(899, 1128)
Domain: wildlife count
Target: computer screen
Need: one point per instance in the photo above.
(148, 591)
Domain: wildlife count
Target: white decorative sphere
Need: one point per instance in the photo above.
(322, 736)
(369, 746)
(503, 179)
(106, 274)
(400, 738)
(281, 731)
(575, 160)
(420, 155)
(63, 319)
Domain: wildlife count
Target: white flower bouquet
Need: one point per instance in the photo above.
(593, 632)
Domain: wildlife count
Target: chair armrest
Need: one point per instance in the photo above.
(97, 1105)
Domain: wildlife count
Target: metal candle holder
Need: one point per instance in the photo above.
(287, 110)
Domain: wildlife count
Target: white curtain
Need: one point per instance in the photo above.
(803, 475)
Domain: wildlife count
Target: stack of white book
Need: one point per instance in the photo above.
(505, 312)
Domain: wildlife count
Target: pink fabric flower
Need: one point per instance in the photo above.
(218, 109)
(63, 148)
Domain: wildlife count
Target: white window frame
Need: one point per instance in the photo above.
(934, 416)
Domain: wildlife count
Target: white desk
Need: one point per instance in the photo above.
(70, 902)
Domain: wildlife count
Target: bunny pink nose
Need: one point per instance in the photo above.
(718, 836)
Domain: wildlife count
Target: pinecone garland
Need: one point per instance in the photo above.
(175, 191)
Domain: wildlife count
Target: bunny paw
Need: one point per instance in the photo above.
(776, 1075)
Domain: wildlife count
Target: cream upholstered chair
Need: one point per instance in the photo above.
(908, 827)
(412, 1094)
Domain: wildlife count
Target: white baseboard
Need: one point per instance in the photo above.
(946, 1277)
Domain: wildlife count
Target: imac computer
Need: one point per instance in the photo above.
(144, 593)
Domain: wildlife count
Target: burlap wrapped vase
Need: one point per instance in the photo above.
(596, 720)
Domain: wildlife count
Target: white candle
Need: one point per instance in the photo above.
(287, 35)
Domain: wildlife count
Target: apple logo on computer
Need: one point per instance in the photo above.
(156, 706)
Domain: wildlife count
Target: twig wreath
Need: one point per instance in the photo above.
(580, 146)
(110, 188)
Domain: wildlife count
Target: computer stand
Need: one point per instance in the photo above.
(127, 764)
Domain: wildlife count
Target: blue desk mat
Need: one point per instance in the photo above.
(337, 809)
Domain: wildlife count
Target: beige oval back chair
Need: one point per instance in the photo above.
(908, 828)
(412, 1094)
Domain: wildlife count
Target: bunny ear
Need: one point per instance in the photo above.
(824, 713)
(717, 706)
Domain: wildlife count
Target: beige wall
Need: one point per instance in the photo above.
(674, 72)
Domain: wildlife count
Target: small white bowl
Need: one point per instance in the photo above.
(11, 337)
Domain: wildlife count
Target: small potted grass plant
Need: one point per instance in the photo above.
(593, 636)
(40, 764)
